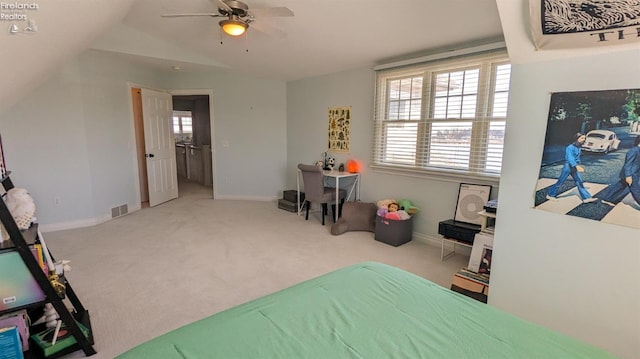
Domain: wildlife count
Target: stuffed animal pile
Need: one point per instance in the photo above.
(21, 206)
(396, 210)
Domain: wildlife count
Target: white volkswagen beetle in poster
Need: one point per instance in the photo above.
(601, 141)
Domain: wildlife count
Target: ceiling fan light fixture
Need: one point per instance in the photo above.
(233, 27)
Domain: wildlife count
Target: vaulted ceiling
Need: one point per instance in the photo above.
(322, 37)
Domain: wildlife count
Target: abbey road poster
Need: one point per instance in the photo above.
(590, 164)
(560, 24)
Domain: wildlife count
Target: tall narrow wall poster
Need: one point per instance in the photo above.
(560, 24)
(339, 129)
(591, 159)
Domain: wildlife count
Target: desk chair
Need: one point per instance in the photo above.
(315, 190)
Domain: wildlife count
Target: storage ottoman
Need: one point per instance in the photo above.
(393, 232)
(286, 205)
(292, 196)
(289, 200)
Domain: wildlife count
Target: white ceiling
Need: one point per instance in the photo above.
(323, 36)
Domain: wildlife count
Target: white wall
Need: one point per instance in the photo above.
(574, 275)
(44, 141)
(72, 138)
(307, 117)
(249, 133)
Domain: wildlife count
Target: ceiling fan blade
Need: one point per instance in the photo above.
(192, 14)
(271, 12)
(223, 5)
(267, 29)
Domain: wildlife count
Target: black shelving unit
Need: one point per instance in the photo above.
(20, 241)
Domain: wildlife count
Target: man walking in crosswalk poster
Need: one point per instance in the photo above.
(608, 187)
(629, 178)
(572, 167)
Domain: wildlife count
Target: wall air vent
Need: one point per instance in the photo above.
(119, 211)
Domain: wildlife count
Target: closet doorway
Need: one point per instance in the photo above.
(193, 133)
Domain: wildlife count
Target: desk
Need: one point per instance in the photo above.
(337, 175)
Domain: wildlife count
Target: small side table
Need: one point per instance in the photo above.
(453, 242)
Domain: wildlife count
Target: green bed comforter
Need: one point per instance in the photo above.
(368, 310)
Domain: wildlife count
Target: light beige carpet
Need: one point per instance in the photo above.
(154, 270)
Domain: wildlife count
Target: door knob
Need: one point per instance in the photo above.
(149, 155)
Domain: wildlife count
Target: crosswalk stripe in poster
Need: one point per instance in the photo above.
(561, 24)
(591, 158)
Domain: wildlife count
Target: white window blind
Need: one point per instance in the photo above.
(443, 116)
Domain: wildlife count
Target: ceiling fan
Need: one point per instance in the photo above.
(238, 17)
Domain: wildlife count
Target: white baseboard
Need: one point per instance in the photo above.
(246, 198)
(60, 226)
(427, 239)
(81, 223)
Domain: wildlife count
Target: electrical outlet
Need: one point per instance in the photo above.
(56, 201)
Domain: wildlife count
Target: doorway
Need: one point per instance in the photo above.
(204, 137)
(192, 131)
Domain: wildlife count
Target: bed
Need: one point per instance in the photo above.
(367, 310)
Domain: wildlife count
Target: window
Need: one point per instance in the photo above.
(182, 126)
(445, 117)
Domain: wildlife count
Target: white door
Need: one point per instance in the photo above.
(160, 153)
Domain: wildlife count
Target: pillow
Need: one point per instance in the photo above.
(356, 216)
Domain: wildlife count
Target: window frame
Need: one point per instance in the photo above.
(480, 150)
(181, 114)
